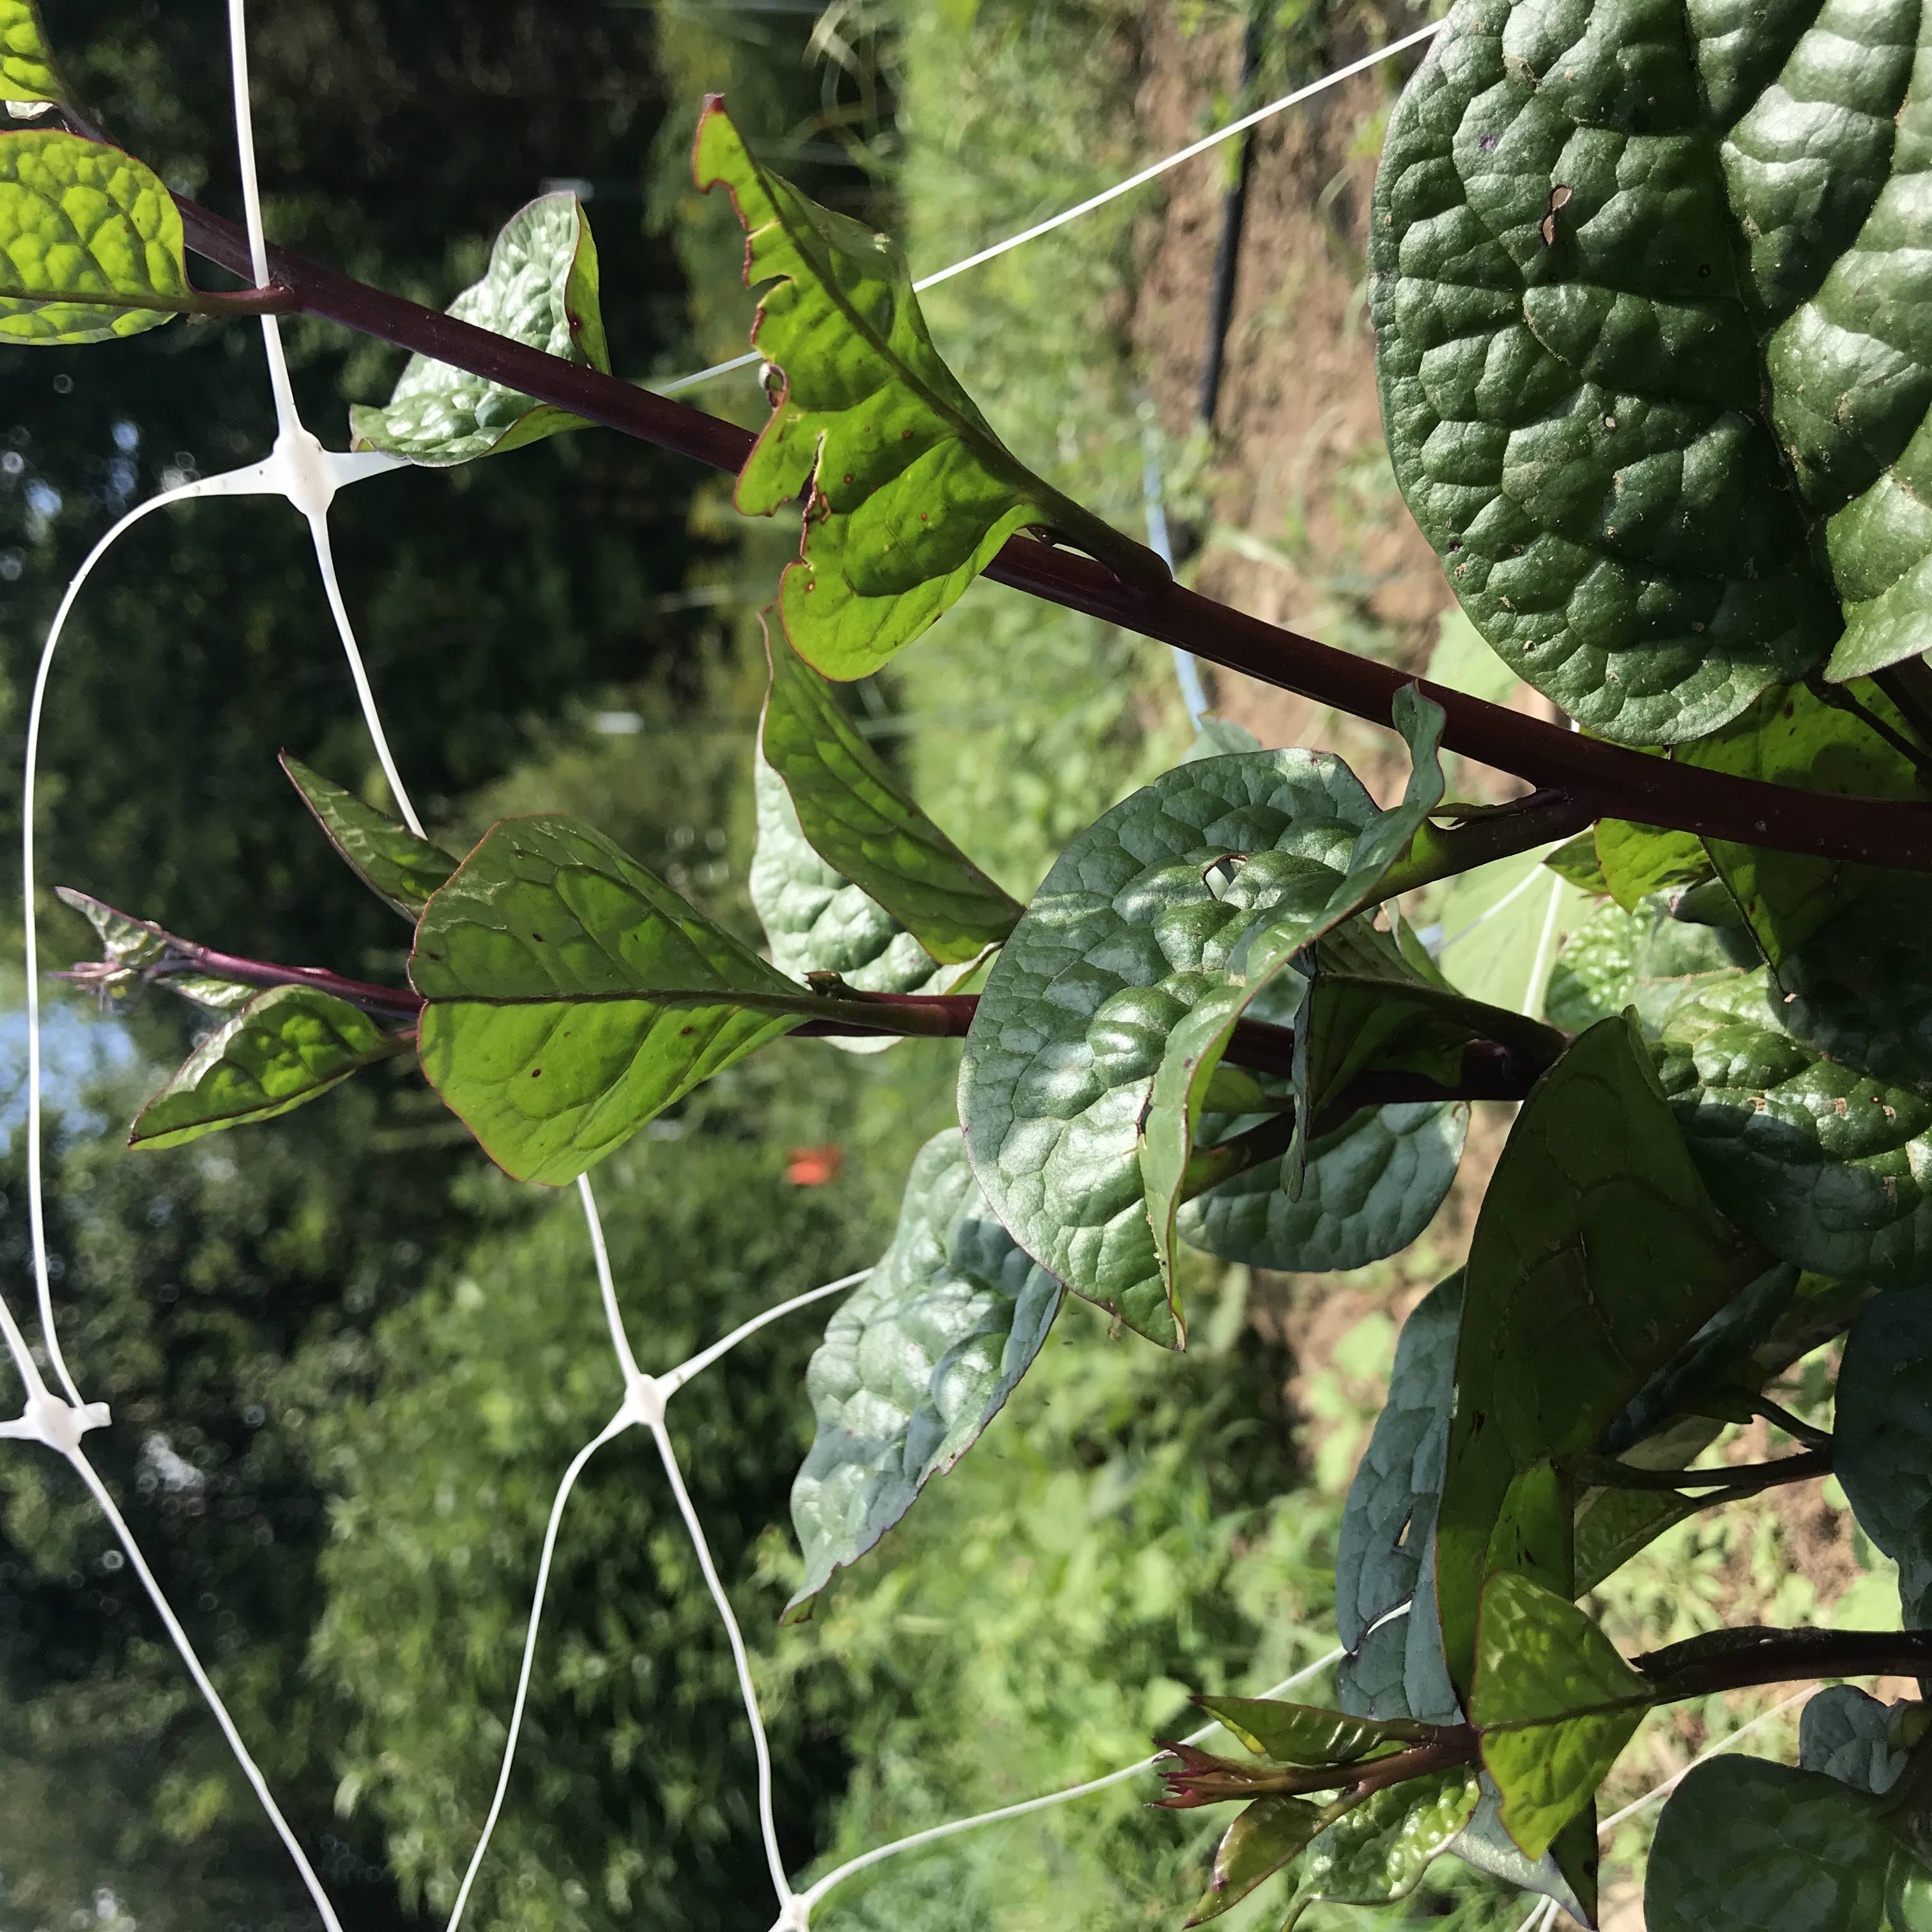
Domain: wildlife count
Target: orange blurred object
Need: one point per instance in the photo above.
(814, 1166)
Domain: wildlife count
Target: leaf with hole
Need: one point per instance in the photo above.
(1556, 1705)
(858, 818)
(283, 1048)
(28, 69)
(1137, 922)
(78, 218)
(916, 1362)
(1745, 1846)
(389, 859)
(1829, 1167)
(570, 996)
(1597, 1255)
(540, 290)
(909, 492)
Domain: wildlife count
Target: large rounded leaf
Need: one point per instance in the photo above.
(1881, 1435)
(1142, 915)
(1589, 221)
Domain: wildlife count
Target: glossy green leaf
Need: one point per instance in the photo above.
(1593, 976)
(1639, 860)
(1567, 1872)
(1306, 1735)
(539, 289)
(1883, 1437)
(1793, 737)
(910, 493)
(1570, 342)
(1556, 1705)
(134, 949)
(389, 859)
(28, 70)
(1377, 1852)
(1647, 959)
(1828, 1167)
(818, 921)
(1269, 1833)
(1746, 1845)
(1371, 1187)
(916, 1362)
(866, 825)
(1848, 1735)
(1138, 921)
(284, 1048)
(1198, 1042)
(572, 995)
(78, 218)
(1597, 1255)
(1503, 925)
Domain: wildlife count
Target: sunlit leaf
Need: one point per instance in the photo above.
(910, 493)
(78, 218)
(1377, 1853)
(1270, 1832)
(134, 948)
(284, 1048)
(389, 859)
(915, 1363)
(28, 70)
(571, 995)
(1556, 1705)
(1305, 1734)
(1639, 860)
(539, 289)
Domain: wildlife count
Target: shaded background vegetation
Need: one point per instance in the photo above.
(347, 1362)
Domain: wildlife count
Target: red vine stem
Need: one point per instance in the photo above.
(1609, 780)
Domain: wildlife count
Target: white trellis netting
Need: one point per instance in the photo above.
(60, 1417)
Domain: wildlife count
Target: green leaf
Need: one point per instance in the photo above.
(1567, 1872)
(915, 1364)
(1745, 1846)
(1306, 1735)
(134, 948)
(1216, 737)
(1793, 737)
(1848, 1735)
(1377, 1853)
(1385, 1553)
(1270, 1832)
(1194, 1047)
(1555, 1703)
(1137, 922)
(1639, 860)
(539, 289)
(1503, 925)
(28, 70)
(1576, 859)
(1571, 302)
(910, 493)
(1597, 1255)
(864, 824)
(78, 218)
(1371, 1187)
(1829, 1168)
(1462, 659)
(1647, 959)
(1883, 1437)
(389, 859)
(571, 996)
(817, 921)
(284, 1048)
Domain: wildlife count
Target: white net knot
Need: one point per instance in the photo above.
(60, 1424)
(794, 1915)
(644, 1398)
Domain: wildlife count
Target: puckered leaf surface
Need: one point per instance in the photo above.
(539, 289)
(1846, 1734)
(284, 1048)
(915, 1363)
(1882, 1437)
(1829, 1168)
(1307, 1734)
(571, 995)
(1597, 1255)
(389, 859)
(854, 812)
(1377, 1853)
(1645, 959)
(79, 217)
(28, 71)
(1556, 1705)
(1746, 1845)
(911, 493)
(1138, 920)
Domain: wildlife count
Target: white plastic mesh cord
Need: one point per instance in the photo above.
(309, 476)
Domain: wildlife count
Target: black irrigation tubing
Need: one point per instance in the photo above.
(1227, 249)
(1610, 780)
